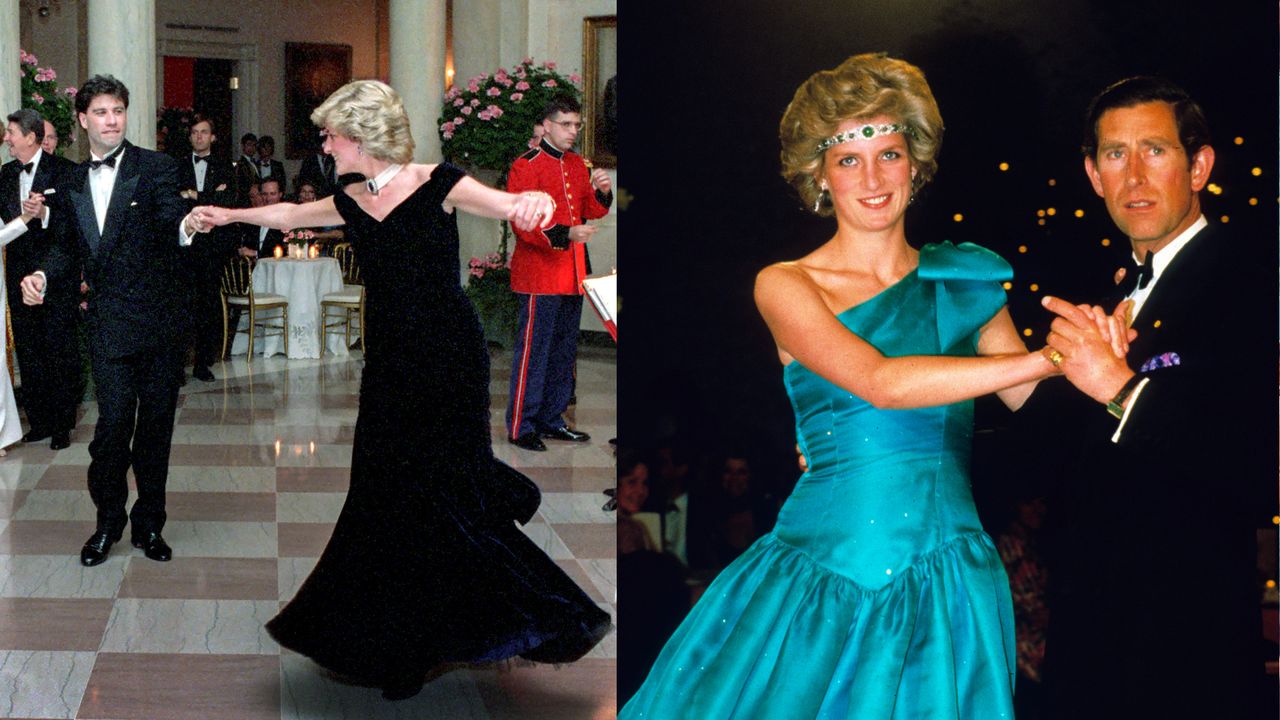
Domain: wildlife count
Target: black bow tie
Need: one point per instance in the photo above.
(198, 158)
(109, 161)
(28, 167)
(1138, 276)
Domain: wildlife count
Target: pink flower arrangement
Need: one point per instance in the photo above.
(505, 105)
(40, 92)
(575, 78)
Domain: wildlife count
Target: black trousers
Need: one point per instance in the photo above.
(48, 352)
(206, 308)
(137, 399)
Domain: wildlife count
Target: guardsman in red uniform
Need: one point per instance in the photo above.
(547, 269)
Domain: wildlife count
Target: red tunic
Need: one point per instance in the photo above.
(546, 262)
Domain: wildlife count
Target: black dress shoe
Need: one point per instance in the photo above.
(564, 433)
(96, 548)
(530, 441)
(200, 372)
(153, 546)
(60, 441)
(35, 436)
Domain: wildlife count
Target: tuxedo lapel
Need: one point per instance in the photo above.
(122, 195)
(1166, 308)
(82, 201)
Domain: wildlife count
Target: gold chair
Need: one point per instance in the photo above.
(237, 292)
(339, 309)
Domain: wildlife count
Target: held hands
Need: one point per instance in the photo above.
(33, 207)
(532, 210)
(248, 252)
(1090, 346)
(600, 181)
(207, 217)
(33, 290)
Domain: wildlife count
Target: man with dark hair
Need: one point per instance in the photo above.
(547, 269)
(44, 336)
(206, 179)
(268, 166)
(319, 169)
(246, 168)
(124, 232)
(1160, 452)
(50, 142)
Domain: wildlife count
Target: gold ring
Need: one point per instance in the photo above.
(1055, 357)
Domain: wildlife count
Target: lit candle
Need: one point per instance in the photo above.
(313, 251)
(278, 252)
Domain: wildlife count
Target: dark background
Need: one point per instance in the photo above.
(708, 208)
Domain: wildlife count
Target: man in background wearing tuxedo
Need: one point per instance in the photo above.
(1163, 455)
(125, 231)
(246, 168)
(268, 167)
(44, 336)
(207, 179)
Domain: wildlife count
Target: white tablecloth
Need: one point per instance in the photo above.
(304, 283)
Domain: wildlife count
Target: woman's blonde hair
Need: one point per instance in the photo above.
(862, 87)
(372, 114)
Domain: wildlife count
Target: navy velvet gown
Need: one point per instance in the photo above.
(426, 565)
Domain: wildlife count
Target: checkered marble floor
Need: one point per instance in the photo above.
(258, 474)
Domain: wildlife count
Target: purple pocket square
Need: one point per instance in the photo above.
(1163, 360)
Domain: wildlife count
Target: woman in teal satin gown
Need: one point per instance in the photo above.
(877, 594)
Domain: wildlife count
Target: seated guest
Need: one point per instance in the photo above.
(633, 490)
(258, 241)
(268, 166)
(307, 192)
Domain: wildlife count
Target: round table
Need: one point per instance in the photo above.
(304, 283)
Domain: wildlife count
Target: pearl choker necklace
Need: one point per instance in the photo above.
(383, 178)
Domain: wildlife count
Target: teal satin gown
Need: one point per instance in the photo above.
(877, 594)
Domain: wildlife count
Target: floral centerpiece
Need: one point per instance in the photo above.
(487, 124)
(40, 92)
(301, 243)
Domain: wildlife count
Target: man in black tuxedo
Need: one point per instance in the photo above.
(207, 179)
(125, 231)
(44, 336)
(318, 168)
(268, 167)
(246, 168)
(257, 241)
(1164, 456)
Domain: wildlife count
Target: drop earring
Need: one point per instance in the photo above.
(360, 149)
(822, 194)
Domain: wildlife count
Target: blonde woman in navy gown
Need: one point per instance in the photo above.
(877, 595)
(426, 566)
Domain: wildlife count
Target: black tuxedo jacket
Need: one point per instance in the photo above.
(277, 173)
(134, 266)
(25, 253)
(274, 239)
(246, 174)
(318, 168)
(1154, 609)
(220, 190)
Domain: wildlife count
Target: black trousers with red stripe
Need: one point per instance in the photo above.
(542, 369)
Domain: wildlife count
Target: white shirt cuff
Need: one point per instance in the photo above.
(184, 239)
(44, 218)
(1133, 400)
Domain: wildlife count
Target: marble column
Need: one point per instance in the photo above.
(417, 68)
(122, 42)
(11, 78)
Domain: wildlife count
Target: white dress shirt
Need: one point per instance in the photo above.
(201, 168)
